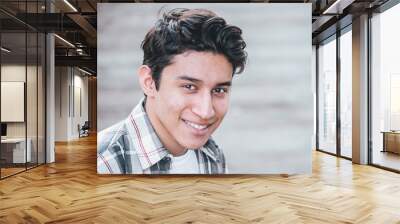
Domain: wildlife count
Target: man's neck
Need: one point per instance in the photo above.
(165, 137)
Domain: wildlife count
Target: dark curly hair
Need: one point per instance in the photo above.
(180, 30)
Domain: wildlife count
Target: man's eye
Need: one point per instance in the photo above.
(220, 90)
(189, 86)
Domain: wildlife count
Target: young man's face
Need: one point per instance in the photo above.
(192, 99)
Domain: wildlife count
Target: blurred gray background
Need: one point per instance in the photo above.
(269, 126)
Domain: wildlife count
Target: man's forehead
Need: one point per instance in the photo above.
(205, 67)
(193, 58)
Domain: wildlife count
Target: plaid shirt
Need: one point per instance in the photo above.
(133, 147)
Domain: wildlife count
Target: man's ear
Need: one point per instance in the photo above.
(146, 81)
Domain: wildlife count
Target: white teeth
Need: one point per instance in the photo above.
(197, 126)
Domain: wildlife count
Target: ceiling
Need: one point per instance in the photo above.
(76, 22)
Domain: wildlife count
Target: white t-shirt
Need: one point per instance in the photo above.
(184, 164)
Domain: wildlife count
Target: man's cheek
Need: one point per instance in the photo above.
(181, 101)
(222, 107)
(175, 104)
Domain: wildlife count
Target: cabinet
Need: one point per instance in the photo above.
(391, 142)
(13, 150)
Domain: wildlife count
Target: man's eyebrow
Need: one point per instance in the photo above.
(188, 78)
(229, 83)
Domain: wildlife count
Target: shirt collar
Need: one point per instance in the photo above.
(149, 148)
(209, 150)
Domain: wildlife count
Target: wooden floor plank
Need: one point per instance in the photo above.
(70, 191)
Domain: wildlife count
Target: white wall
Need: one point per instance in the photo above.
(61, 83)
(12, 73)
(80, 89)
(70, 83)
(17, 73)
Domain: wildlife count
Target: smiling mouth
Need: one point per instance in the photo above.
(196, 126)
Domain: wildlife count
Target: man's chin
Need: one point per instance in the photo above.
(195, 145)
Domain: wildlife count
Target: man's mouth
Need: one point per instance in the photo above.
(196, 126)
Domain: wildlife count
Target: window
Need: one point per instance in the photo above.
(22, 76)
(327, 96)
(346, 93)
(385, 89)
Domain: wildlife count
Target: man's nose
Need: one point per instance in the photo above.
(203, 107)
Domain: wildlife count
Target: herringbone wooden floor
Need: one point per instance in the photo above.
(70, 191)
